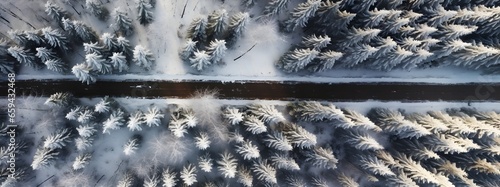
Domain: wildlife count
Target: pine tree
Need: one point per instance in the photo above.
(109, 41)
(232, 116)
(393, 122)
(375, 166)
(200, 60)
(267, 113)
(104, 106)
(85, 116)
(169, 178)
(115, 121)
(237, 25)
(68, 26)
(315, 111)
(122, 22)
(177, 127)
(297, 59)
(321, 157)
(295, 181)
(19, 37)
(298, 136)
(188, 174)
(34, 36)
(362, 141)
(44, 157)
(81, 161)
(152, 180)
(216, 24)
(278, 141)
(205, 163)
(217, 51)
(55, 11)
(227, 165)
(325, 61)
(84, 73)
(359, 121)
(301, 14)
(153, 117)
(6, 61)
(119, 62)
(245, 177)
(275, 7)
(247, 150)
(62, 99)
(56, 65)
(202, 141)
(98, 63)
(282, 161)
(131, 146)
(23, 56)
(144, 12)
(57, 140)
(416, 172)
(45, 54)
(97, 9)
(265, 172)
(86, 130)
(143, 57)
(254, 125)
(319, 182)
(427, 121)
(415, 149)
(188, 49)
(346, 181)
(93, 48)
(127, 180)
(55, 38)
(197, 30)
(315, 42)
(135, 121)
(82, 143)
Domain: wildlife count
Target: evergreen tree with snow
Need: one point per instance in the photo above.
(84, 73)
(315, 42)
(104, 105)
(97, 9)
(264, 172)
(247, 150)
(314, 111)
(115, 121)
(152, 180)
(197, 30)
(119, 62)
(93, 47)
(205, 163)
(122, 22)
(202, 141)
(86, 115)
(357, 36)
(245, 177)
(227, 165)
(346, 181)
(81, 161)
(86, 130)
(82, 143)
(35, 36)
(55, 39)
(19, 37)
(109, 41)
(375, 166)
(68, 26)
(57, 140)
(54, 11)
(393, 122)
(254, 125)
(23, 56)
(188, 174)
(217, 51)
(416, 172)
(275, 7)
(362, 141)
(131, 146)
(267, 113)
(325, 61)
(98, 63)
(200, 60)
(143, 57)
(62, 99)
(216, 24)
(298, 136)
(282, 161)
(188, 49)
(153, 116)
(84, 32)
(44, 157)
(301, 14)
(177, 127)
(169, 178)
(278, 141)
(232, 115)
(357, 54)
(6, 61)
(124, 46)
(237, 25)
(359, 121)
(144, 12)
(45, 54)
(127, 180)
(135, 121)
(321, 157)
(297, 59)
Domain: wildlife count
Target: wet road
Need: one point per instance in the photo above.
(267, 90)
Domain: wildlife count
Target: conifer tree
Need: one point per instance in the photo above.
(82, 143)
(325, 61)
(346, 181)
(135, 121)
(56, 65)
(202, 141)
(205, 163)
(301, 14)
(84, 32)
(57, 140)
(19, 37)
(144, 12)
(62, 99)
(188, 174)
(6, 61)
(188, 50)
(86, 115)
(81, 161)
(45, 54)
(127, 180)
(264, 172)
(275, 7)
(97, 63)
(55, 38)
(109, 41)
(122, 22)
(362, 141)
(315, 42)
(298, 136)
(97, 9)
(68, 26)
(200, 60)
(254, 125)
(93, 47)
(216, 24)
(267, 113)
(375, 166)
(245, 177)
(197, 30)
(393, 122)
(227, 165)
(119, 62)
(217, 51)
(247, 150)
(282, 161)
(124, 46)
(169, 178)
(104, 105)
(143, 57)
(232, 115)
(321, 157)
(115, 121)
(55, 11)
(315, 111)
(359, 121)
(84, 73)
(43, 158)
(297, 59)
(278, 141)
(237, 25)
(23, 56)
(86, 130)
(131, 146)
(35, 36)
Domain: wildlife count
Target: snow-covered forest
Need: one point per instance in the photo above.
(66, 141)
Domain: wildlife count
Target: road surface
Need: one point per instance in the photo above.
(266, 90)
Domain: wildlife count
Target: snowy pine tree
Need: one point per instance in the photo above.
(135, 121)
(23, 56)
(232, 116)
(362, 141)
(237, 25)
(55, 11)
(346, 181)
(321, 157)
(73, 113)
(202, 141)
(169, 178)
(315, 42)
(375, 166)
(267, 113)
(393, 122)
(247, 150)
(217, 51)
(119, 62)
(104, 105)
(97, 9)
(35, 36)
(315, 111)
(143, 57)
(45, 54)
(98, 63)
(19, 37)
(254, 125)
(324, 61)
(44, 157)
(55, 38)
(177, 127)
(81, 161)
(188, 174)
(205, 163)
(200, 60)
(115, 121)
(68, 26)
(282, 161)
(265, 172)
(144, 12)
(152, 180)
(122, 22)
(85, 116)
(131, 146)
(86, 130)
(60, 99)
(153, 117)
(357, 120)
(82, 143)
(84, 73)
(56, 65)
(245, 177)
(188, 49)
(298, 136)
(109, 41)
(93, 48)
(216, 24)
(278, 141)
(301, 14)
(127, 180)
(227, 165)
(297, 59)
(275, 7)
(57, 140)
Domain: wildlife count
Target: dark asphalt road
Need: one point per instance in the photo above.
(267, 90)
